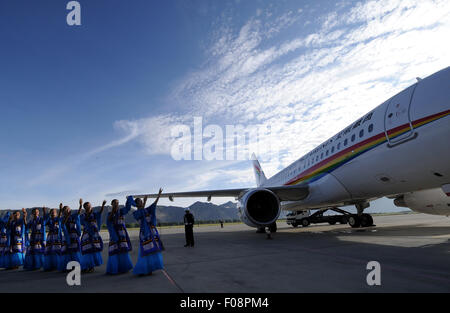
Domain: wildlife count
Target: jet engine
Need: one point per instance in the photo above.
(259, 208)
(430, 201)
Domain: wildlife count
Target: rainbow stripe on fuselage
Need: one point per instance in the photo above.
(331, 163)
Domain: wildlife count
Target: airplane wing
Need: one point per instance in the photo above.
(285, 193)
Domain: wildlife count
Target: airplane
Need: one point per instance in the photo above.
(399, 150)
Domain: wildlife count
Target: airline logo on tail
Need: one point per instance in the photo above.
(259, 174)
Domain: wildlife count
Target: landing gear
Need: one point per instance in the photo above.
(366, 220)
(354, 221)
(361, 206)
(360, 219)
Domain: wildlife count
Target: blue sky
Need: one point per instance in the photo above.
(87, 111)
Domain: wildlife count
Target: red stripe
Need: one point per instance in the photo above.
(362, 143)
(394, 130)
(331, 158)
(430, 117)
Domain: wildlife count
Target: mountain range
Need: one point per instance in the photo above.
(202, 211)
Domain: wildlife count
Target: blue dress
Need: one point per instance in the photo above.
(91, 241)
(119, 242)
(4, 242)
(53, 245)
(150, 245)
(34, 258)
(16, 232)
(70, 249)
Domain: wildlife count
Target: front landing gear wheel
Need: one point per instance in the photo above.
(366, 220)
(354, 221)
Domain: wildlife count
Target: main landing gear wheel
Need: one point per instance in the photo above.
(366, 220)
(305, 222)
(354, 221)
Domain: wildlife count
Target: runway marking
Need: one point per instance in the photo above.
(172, 281)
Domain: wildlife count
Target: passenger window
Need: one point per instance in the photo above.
(370, 128)
(361, 133)
(332, 149)
(338, 146)
(326, 153)
(353, 137)
(345, 142)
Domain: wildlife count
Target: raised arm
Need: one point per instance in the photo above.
(103, 206)
(157, 198)
(128, 204)
(81, 207)
(145, 200)
(152, 208)
(60, 210)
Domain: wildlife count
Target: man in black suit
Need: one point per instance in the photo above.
(189, 228)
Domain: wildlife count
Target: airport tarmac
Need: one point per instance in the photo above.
(413, 251)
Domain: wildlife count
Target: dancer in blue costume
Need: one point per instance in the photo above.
(52, 253)
(16, 234)
(91, 241)
(150, 247)
(4, 242)
(34, 258)
(119, 242)
(71, 227)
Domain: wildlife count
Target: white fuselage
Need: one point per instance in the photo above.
(400, 147)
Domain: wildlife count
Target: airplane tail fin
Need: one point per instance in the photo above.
(259, 174)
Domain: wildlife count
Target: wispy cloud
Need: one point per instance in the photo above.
(131, 132)
(307, 86)
(311, 86)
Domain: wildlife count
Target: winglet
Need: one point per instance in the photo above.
(259, 173)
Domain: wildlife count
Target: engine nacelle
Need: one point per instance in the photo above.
(259, 208)
(431, 201)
